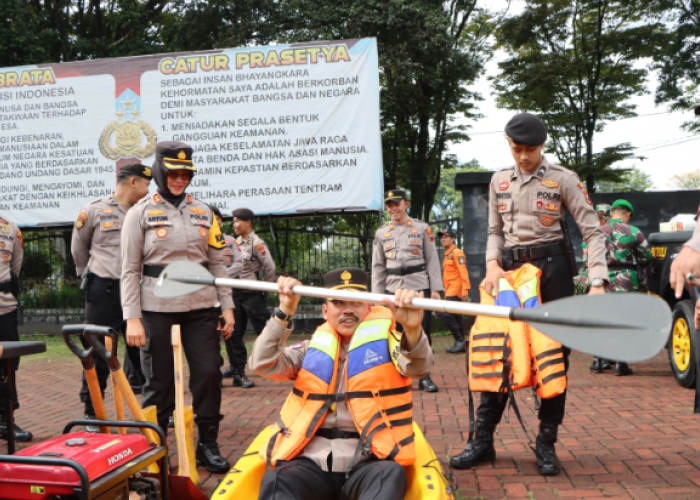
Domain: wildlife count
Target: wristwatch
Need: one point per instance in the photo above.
(279, 313)
(597, 282)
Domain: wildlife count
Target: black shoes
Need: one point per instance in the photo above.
(208, 449)
(458, 347)
(91, 428)
(427, 385)
(547, 461)
(622, 370)
(240, 380)
(478, 451)
(229, 372)
(599, 365)
(21, 435)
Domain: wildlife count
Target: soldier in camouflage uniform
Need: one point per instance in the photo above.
(581, 281)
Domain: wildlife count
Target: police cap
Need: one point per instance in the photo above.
(352, 278)
(395, 195)
(243, 214)
(526, 128)
(623, 204)
(135, 169)
(449, 232)
(175, 155)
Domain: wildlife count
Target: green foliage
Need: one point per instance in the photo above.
(448, 201)
(42, 297)
(574, 63)
(632, 180)
(36, 265)
(689, 181)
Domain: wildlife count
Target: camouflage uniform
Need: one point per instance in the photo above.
(625, 246)
(582, 283)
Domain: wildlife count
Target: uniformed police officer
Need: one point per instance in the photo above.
(250, 304)
(11, 253)
(96, 249)
(527, 203)
(404, 257)
(455, 278)
(161, 229)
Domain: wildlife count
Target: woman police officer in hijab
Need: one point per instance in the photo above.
(163, 228)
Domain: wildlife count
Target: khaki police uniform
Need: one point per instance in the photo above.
(96, 246)
(233, 257)
(156, 234)
(255, 264)
(11, 255)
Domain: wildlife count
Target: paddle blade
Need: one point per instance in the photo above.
(191, 277)
(626, 327)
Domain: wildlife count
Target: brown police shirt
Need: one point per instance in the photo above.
(233, 257)
(411, 243)
(530, 213)
(96, 241)
(273, 359)
(158, 233)
(11, 253)
(257, 261)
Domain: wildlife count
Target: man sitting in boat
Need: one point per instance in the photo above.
(345, 430)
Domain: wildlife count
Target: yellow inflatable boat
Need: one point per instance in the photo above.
(426, 480)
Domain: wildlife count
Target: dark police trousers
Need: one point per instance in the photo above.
(9, 333)
(454, 321)
(427, 318)
(103, 307)
(556, 283)
(200, 342)
(252, 305)
(302, 479)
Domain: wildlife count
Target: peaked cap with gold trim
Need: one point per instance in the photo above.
(351, 278)
(175, 155)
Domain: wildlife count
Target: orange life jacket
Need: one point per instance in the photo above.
(532, 358)
(378, 396)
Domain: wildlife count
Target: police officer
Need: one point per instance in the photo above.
(404, 257)
(96, 249)
(455, 278)
(166, 227)
(11, 254)
(527, 203)
(257, 264)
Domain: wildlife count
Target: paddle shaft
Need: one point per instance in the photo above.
(183, 457)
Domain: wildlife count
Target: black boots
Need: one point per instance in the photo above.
(478, 451)
(240, 380)
(460, 346)
(547, 461)
(599, 365)
(622, 370)
(229, 372)
(426, 384)
(21, 435)
(208, 449)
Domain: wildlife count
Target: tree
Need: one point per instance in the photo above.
(679, 76)
(688, 181)
(574, 64)
(448, 201)
(632, 180)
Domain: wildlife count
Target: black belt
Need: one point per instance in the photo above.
(623, 267)
(154, 271)
(533, 252)
(337, 434)
(6, 286)
(402, 271)
(93, 278)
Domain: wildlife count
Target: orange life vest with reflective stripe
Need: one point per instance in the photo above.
(532, 358)
(378, 396)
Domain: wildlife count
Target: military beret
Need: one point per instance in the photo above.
(623, 204)
(348, 277)
(135, 169)
(526, 128)
(395, 195)
(243, 214)
(603, 211)
(216, 211)
(448, 232)
(175, 155)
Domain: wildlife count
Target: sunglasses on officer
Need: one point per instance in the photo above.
(180, 174)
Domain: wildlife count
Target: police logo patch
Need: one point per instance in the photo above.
(6, 257)
(550, 183)
(202, 232)
(460, 260)
(2, 244)
(547, 220)
(552, 207)
(162, 232)
(415, 251)
(502, 207)
(79, 223)
(227, 259)
(83, 216)
(503, 185)
(260, 247)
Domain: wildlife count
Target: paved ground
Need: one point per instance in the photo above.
(632, 437)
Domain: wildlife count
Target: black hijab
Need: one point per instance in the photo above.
(170, 151)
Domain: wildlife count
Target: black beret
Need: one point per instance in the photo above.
(395, 195)
(243, 214)
(135, 169)
(216, 211)
(347, 277)
(527, 129)
(175, 155)
(448, 232)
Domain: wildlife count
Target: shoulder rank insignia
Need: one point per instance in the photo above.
(552, 207)
(189, 198)
(409, 223)
(429, 231)
(550, 183)
(391, 225)
(503, 185)
(157, 198)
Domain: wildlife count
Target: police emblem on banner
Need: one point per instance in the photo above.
(128, 139)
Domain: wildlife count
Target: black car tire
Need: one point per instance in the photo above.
(683, 316)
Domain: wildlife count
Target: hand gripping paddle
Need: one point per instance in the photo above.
(626, 327)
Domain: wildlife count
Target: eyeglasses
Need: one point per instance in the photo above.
(179, 174)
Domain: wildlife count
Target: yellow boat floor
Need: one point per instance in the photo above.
(425, 477)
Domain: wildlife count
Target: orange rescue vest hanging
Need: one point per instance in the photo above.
(532, 358)
(378, 395)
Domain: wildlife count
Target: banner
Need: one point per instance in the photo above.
(279, 129)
